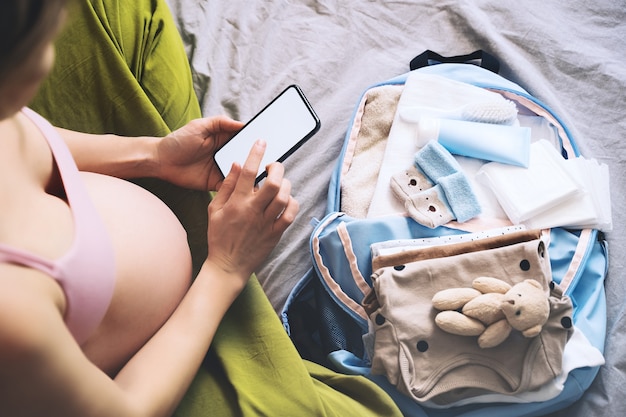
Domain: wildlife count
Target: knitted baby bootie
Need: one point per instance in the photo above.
(435, 190)
(406, 183)
(429, 207)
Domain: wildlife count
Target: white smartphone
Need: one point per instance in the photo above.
(285, 124)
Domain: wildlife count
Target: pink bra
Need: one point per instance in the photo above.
(87, 271)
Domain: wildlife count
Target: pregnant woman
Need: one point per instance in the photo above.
(110, 302)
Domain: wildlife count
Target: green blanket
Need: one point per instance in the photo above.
(121, 68)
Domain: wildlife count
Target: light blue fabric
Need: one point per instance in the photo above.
(435, 161)
(442, 169)
(460, 196)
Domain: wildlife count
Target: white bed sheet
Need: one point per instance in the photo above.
(571, 55)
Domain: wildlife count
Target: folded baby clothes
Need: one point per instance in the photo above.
(435, 191)
(428, 364)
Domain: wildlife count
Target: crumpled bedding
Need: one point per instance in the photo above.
(568, 54)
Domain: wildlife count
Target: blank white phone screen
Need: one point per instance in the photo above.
(283, 124)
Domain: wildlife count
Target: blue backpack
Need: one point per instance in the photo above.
(324, 314)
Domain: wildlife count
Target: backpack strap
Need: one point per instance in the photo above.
(578, 258)
(333, 287)
(429, 57)
(348, 250)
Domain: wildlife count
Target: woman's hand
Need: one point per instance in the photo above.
(185, 156)
(246, 221)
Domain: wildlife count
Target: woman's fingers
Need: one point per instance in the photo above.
(272, 200)
(247, 221)
(227, 187)
(251, 167)
(287, 216)
(276, 191)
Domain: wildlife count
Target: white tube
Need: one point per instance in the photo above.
(492, 142)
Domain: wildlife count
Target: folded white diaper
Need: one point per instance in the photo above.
(526, 192)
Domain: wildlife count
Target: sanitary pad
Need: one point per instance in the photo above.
(550, 193)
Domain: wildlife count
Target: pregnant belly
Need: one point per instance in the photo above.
(153, 266)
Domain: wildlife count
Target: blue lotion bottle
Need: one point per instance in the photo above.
(492, 142)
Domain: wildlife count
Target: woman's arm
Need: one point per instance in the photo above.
(184, 157)
(48, 374)
(118, 156)
(44, 372)
(246, 222)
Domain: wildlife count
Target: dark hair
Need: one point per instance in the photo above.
(23, 25)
